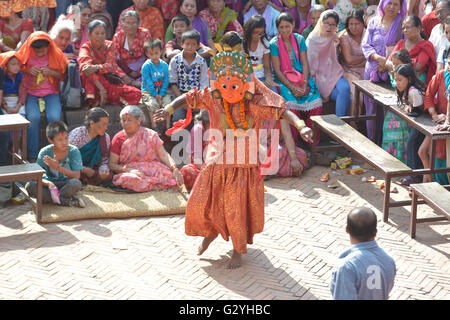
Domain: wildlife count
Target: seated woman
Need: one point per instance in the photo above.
(102, 79)
(14, 31)
(324, 65)
(94, 143)
(420, 50)
(138, 159)
(129, 46)
(292, 160)
(290, 64)
(61, 33)
(352, 57)
(220, 19)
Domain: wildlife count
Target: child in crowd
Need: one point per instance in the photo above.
(437, 88)
(256, 45)
(14, 93)
(62, 164)
(44, 66)
(398, 57)
(187, 70)
(155, 80)
(180, 24)
(410, 93)
(80, 13)
(314, 14)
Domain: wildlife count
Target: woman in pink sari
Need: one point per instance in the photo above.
(138, 158)
(324, 66)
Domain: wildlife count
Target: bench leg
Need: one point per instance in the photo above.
(387, 198)
(39, 201)
(313, 146)
(413, 223)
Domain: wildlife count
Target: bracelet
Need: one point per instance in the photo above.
(170, 109)
(299, 124)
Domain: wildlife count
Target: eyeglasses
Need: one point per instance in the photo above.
(332, 25)
(134, 24)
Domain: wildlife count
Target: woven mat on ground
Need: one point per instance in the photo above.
(104, 203)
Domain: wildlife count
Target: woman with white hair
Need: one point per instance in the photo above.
(62, 32)
(137, 156)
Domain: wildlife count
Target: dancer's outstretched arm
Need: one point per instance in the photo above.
(305, 132)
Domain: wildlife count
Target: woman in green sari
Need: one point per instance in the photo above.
(220, 19)
(94, 143)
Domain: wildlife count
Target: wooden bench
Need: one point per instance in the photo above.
(23, 172)
(436, 196)
(354, 141)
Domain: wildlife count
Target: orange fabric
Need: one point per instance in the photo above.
(56, 58)
(228, 199)
(4, 58)
(8, 6)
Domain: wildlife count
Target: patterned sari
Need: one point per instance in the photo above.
(131, 59)
(105, 59)
(141, 152)
(151, 19)
(284, 166)
(11, 37)
(218, 27)
(8, 6)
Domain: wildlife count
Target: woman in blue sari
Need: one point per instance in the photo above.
(290, 64)
(94, 143)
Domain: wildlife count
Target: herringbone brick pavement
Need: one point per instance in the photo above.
(293, 257)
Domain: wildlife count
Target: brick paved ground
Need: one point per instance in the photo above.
(292, 259)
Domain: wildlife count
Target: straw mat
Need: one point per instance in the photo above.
(104, 203)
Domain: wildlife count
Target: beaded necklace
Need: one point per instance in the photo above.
(241, 113)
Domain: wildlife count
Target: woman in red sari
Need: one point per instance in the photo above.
(14, 31)
(420, 50)
(103, 80)
(129, 45)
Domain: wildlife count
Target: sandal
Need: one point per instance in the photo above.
(410, 180)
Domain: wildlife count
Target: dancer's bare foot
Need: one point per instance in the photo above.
(205, 244)
(235, 261)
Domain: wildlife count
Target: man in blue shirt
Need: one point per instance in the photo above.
(365, 271)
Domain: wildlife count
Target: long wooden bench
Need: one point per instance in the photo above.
(354, 141)
(24, 172)
(436, 196)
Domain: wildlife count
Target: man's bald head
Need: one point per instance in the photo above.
(362, 224)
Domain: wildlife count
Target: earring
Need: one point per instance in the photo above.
(248, 95)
